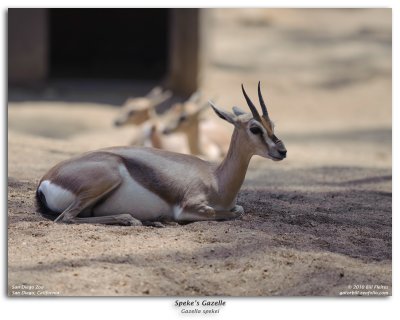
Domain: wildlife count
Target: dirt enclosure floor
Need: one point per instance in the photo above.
(317, 223)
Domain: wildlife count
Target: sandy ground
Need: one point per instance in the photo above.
(315, 224)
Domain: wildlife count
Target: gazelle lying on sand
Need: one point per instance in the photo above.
(128, 185)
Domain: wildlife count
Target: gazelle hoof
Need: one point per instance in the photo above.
(239, 211)
(155, 224)
(128, 220)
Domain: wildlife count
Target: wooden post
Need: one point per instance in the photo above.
(184, 51)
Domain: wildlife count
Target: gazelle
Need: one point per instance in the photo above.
(141, 112)
(151, 135)
(189, 123)
(136, 111)
(131, 185)
(152, 130)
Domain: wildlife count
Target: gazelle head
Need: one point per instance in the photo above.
(184, 116)
(254, 131)
(136, 111)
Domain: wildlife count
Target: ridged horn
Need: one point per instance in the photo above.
(262, 103)
(251, 105)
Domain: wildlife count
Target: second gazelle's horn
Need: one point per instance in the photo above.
(251, 105)
(262, 103)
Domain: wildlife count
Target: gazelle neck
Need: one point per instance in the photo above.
(155, 137)
(193, 139)
(232, 170)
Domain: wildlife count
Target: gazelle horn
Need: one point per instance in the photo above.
(251, 105)
(262, 103)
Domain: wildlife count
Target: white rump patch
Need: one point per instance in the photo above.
(57, 198)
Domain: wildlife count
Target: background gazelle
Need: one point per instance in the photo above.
(139, 112)
(136, 111)
(200, 140)
(126, 186)
(151, 133)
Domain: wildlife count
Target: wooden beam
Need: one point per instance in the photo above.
(184, 51)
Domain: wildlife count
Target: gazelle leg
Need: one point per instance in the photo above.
(155, 224)
(70, 216)
(194, 212)
(234, 213)
(207, 213)
(119, 219)
(90, 197)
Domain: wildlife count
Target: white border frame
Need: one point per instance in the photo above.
(163, 308)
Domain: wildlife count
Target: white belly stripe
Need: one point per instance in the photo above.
(132, 198)
(57, 198)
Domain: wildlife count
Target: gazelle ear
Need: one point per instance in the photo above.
(161, 97)
(195, 97)
(156, 91)
(227, 116)
(237, 111)
(166, 95)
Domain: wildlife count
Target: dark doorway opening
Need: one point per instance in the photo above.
(108, 43)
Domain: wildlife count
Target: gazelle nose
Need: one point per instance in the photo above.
(282, 152)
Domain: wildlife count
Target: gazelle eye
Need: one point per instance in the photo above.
(275, 139)
(256, 130)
